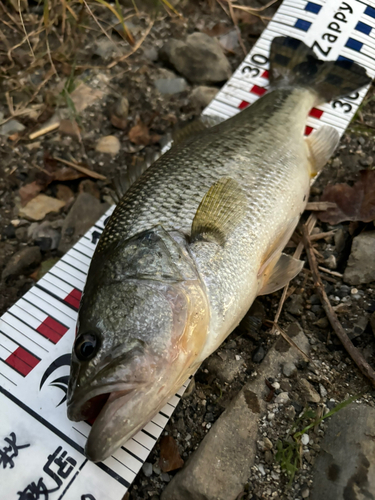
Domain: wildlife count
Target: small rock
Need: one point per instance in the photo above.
(225, 371)
(305, 439)
(268, 457)
(200, 59)
(202, 96)
(294, 305)
(361, 263)
(267, 443)
(323, 391)
(44, 235)
(108, 144)
(171, 85)
(170, 458)
(261, 469)
(120, 111)
(40, 206)
(305, 493)
(147, 469)
(151, 53)
(22, 262)
(11, 127)
(289, 369)
(85, 211)
(259, 354)
(345, 466)
(331, 262)
(282, 398)
(64, 193)
(308, 392)
(165, 477)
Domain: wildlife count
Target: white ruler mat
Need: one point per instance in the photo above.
(41, 451)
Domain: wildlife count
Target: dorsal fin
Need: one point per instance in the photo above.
(220, 211)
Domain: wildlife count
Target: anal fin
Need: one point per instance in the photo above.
(322, 144)
(220, 211)
(276, 277)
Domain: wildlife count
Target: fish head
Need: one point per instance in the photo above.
(142, 323)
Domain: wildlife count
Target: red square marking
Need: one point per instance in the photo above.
(308, 130)
(52, 330)
(74, 298)
(22, 361)
(316, 113)
(258, 90)
(265, 74)
(243, 105)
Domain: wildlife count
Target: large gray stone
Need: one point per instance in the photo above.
(199, 59)
(345, 466)
(361, 263)
(22, 262)
(221, 466)
(85, 211)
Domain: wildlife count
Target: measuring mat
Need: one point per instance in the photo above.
(41, 451)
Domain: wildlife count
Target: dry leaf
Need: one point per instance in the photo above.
(354, 203)
(69, 127)
(170, 458)
(140, 134)
(29, 192)
(118, 122)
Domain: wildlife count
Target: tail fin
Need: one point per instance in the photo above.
(293, 63)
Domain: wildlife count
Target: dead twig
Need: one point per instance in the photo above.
(311, 221)
(356, 356)
(320, 206)
(328, 271)
(84, 170)
(321, 236)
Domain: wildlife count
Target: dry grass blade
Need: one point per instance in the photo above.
(328, 271)
(44, 130)
(24, 29)
(356, 356)
(135, 48)
(84, 170)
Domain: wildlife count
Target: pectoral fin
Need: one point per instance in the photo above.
(220, 211)
(322, 144)
(276, 277)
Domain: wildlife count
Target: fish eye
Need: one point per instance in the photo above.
(86, 346)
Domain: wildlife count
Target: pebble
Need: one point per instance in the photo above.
(108, 144)
(323, 391)
(200, 58)
(361, 264)
(267, 443)
(261, 469)
(305, 439)
(289, 369)
(147, 469)
(305, 493)
(282, 398)
(171, 85)
(202, 95)
(259, 354)
(11, 127)
(294, 305)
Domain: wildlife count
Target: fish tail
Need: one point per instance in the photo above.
(294, 64)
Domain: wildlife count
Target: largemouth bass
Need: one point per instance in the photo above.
(192, 243)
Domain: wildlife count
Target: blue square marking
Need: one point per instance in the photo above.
(363, 28)
(370, 11)
(302, 25)
(313, 7)
(354, 44)
(343, 58)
